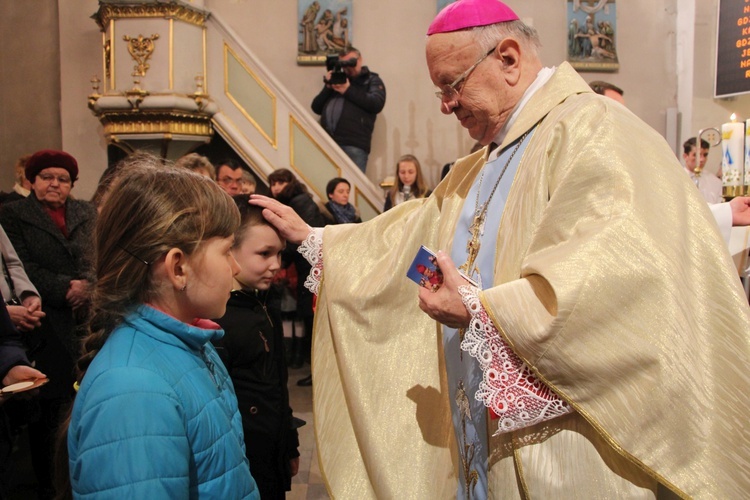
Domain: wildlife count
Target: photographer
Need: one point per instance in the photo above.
(349, 103)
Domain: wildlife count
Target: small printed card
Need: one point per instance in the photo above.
(425, 272)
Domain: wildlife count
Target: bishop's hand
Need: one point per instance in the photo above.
(740, 211)
(290, 225)
(445, 305)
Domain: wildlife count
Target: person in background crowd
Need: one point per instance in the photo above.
(608, 90)
(709, 185)
(603, 353)
(252, 349)
(198, 164)
(229, 176)
(156, 415)
(287, 189)
(726, 214)
(51, 233)
(22, 187)
(19, 293)
(248, 183)
(348, 110)
(338, 205)
(409, 183)
(14, 367)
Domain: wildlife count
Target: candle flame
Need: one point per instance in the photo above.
(733, 117)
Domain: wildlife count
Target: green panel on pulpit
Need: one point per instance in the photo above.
(309, 161)
(253, 99)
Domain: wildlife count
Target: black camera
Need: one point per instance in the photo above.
(336, 66)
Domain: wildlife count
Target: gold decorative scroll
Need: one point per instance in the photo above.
(115, 123)
(183, 13)
(140, 50)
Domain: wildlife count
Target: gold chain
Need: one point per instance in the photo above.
(476, 227)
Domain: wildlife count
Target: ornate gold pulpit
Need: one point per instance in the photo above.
(152, 93)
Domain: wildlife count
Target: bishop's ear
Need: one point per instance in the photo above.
(508, 52)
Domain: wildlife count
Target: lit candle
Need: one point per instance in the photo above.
(733, 156)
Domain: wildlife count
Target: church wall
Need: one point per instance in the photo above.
(390, 34)
(30, 82)
(80, 45)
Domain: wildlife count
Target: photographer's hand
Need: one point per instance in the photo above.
(341, 88)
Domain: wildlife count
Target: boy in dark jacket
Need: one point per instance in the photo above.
(253, 351)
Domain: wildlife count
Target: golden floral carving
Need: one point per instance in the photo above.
(140, 50)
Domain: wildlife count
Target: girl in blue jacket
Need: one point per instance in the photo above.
(156, 415)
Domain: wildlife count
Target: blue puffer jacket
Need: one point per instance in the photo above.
(156, 417)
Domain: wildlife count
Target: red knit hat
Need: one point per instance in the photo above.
(49, 158)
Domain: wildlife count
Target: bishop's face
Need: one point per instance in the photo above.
(483, 100)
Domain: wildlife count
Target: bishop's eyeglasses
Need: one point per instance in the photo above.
(450, 92)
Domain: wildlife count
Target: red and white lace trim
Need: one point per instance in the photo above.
(312, 250)
(508, 388)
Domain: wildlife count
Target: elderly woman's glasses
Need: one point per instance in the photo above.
(61, 179)
(449, 92)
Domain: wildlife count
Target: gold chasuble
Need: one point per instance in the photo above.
(611, 282)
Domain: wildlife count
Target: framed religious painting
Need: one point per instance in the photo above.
(324, 27)
(592, 31)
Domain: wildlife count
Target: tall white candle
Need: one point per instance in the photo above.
(733, 156)
(746, 189)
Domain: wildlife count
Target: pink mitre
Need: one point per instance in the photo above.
(470, 14)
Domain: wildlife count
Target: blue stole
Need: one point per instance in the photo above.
(463, 371)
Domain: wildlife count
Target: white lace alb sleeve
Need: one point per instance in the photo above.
(312, 250)
(508, 388)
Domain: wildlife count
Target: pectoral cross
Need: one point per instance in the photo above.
(472, 250)
(472, 246)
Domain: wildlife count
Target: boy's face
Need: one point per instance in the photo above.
(259, 256)
(691, 160)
